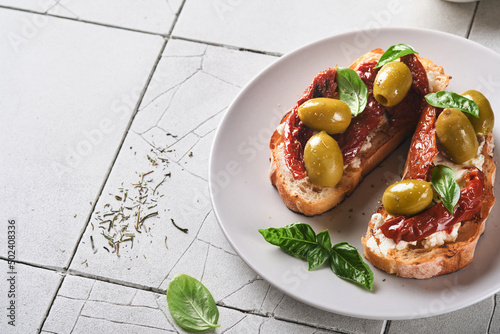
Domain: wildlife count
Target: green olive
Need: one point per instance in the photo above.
(330, 115)
(323, 160)
(407, 197)
(484, 124)
(392, 83)
(456, 135)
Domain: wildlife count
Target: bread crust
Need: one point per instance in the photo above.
(304, 197)
(419, 262)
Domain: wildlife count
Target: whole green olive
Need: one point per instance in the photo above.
(484, 124)
(392, 83)
(330, 115)
(456, 135)
(323, 160)
(407, 197)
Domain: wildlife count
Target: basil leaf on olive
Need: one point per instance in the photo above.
(394, 52)
(444, 99)
(443, 180)
(352, 90)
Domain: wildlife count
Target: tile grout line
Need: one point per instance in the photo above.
(66, 273)
(488, 330)
(110, 168)
(83, 21)
(166, 35)
(385, 327)
(227, 46)
(469, 30)
(129, 125)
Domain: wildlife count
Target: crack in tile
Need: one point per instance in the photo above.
(176, 87)
(126, 323)
(108, 302)
(264, 299)
(83, 305)
(217, 247)
(170, 7)
(163, 311)
(51, 7)
(176, 262)
(188, 171)
(70, 11)
(234, 325)
(253, 280)
(205, 264)
(222, 80)
(208, 119)
(278, 304)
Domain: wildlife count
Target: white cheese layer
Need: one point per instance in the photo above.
(379, 243)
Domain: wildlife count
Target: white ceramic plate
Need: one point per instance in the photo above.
(244, 200)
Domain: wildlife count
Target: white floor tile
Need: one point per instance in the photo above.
(32, 296)
(71, 90)
(486, 25)
(156, 16)
(282, 26)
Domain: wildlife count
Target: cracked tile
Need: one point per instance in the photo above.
(201, 151)
(192, 263)
(233, 22)
(211, 233)
(226, 267)
(145, 260)
(249, 297)
(66, 116)
(182, 147)
(107, 307)
(472, 319)
(294, 310)
(191, 105)
(156, 16)
(39, 6)
(33, 293)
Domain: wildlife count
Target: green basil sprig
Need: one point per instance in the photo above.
(445, 99)
(352, 90)
(393, 53)
(299, 240)
(443, 180)
(191, 304)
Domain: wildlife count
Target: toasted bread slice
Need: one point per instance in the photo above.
(304, 197)
(417, 261)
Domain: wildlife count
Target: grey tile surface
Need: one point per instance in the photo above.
(243, 23)
(486, 25)
(472, 319)
(26, 304)
(73, 81)
(66, 116)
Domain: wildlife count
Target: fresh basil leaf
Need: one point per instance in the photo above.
(352, 90)
(346, 263)
(300, 240)
(318, 255)
(443, 180)
(191, 304)
(445, 99)
(394, 52)
(295, 239)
